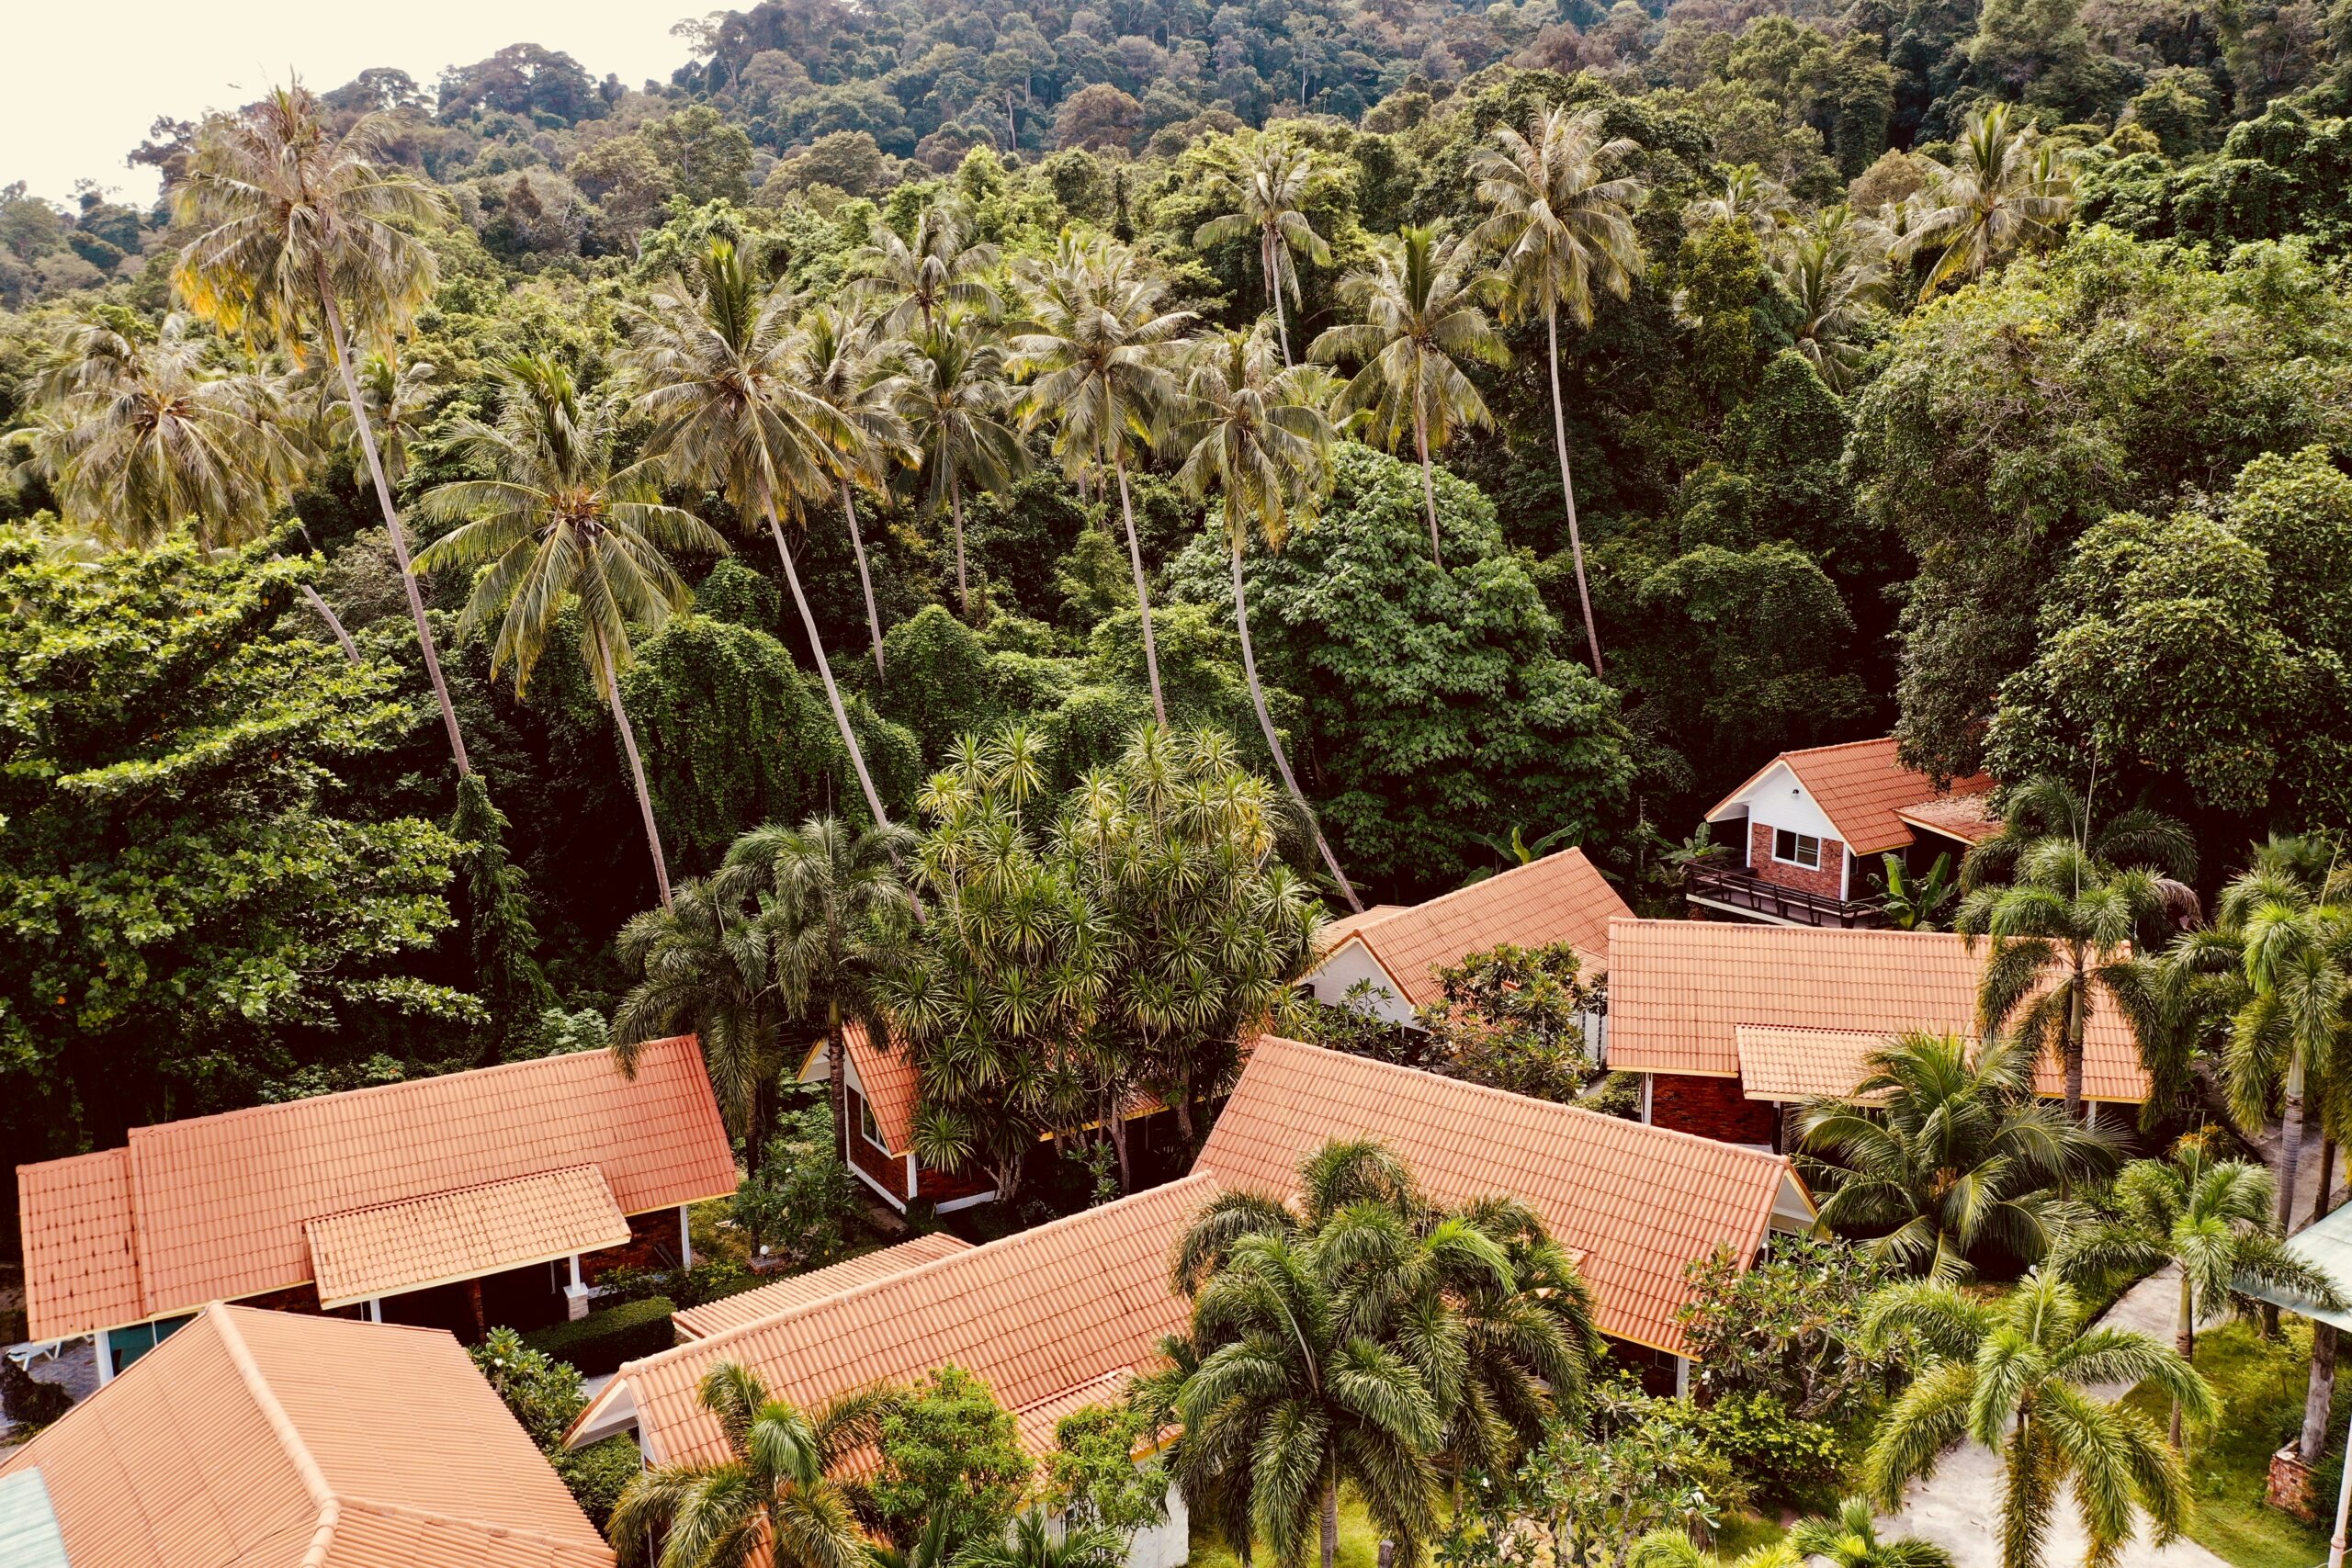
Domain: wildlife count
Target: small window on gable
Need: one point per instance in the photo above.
(867, 1125)
(1796, 848)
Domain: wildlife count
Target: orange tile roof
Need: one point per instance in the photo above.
(1638, 1205)
(1967, 818)
(1783, 1064)
(1034, 1423)
(887, 1076)
(262, 1439)
(416, 1242)
(1860, 788)
(213, 1207)
(1679, 990)
(785, 1295)
(1562, 898)
(1034, 1315)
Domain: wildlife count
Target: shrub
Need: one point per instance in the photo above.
(949, 1451)
(605, 1339)
(797, 1204)
(596, 1474)
(27, 1401)
(1786, 1327)
(543, 1392)
(1092, 1477)
(706, 1281)
(1791, 1462)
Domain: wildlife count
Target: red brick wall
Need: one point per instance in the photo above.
(1826, 881)
(652, 1244)
(890, 1170)
(1712, 1107)
(942, 1187)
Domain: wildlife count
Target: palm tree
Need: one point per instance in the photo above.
(1937, 1153)
(2292, 1032)
(841, 358)
(1749, 196)
(558, 525)
(1561, 225)
(838, 907)
(1267, 180)
(392, 397)
(1849, 1538)
(1035, 1542)
(1673, 1549)
(704, 968)
(2210, 1220)
(2002, 188)
(1423, 307)
(942, 270)
(1252, 436)
(303, 234)
(772, 1499)
(2015, 1375)
(715, 361)
(1834, 270)
(1098, 344)
(955, 404)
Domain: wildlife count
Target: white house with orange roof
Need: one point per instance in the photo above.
(1394, 951)
(1807, 829)
(487, 1197)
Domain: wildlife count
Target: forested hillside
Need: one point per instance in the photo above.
(1981, 372)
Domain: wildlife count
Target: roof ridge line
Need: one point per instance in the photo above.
(407, 1511)
(454, 1192)
(1483, 883)
(281, 1426)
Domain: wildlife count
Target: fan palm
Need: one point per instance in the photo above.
(1097, 346)
(1562, 224)
(558, 525)
(300, 233)
(956, 406)
(1266, 180)
(1954, 1154)
(1423, 304)
(714, 359)
(2015, 1375)
(1251, 436)
(939, 271)
(2002, 188)
(1849, 1538)
(772, 1499)
(2210, 1219)
(837, 907)
(842, 359)
(704, 967)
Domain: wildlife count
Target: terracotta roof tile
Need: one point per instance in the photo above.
(259, 1439)
(416, 1242)
(1679, 990)
(1967, 818)
(1032, 1315)
(1783, 1064)
(785, 1295)
(1638, 1205)
(1562, 898)
(1860, 786)
(1034, 1423)
(887, 1077)
(215, 1205)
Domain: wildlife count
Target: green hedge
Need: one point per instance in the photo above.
(601, 1341)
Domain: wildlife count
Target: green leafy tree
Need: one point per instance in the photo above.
(797, 1204)
(1094, 1477)
(1423, 302)
(1562, 224)
(947, 1451)
(556, 528)
(1786, 1327)
(495, 915)
(1513, 1018)
(2015, 1375)
(543, 1394)
(1268, 181)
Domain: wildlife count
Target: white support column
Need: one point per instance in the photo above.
(105, 1358)
(913, 1180)
(1682, 1377)
(375, 1309)
(686, 1239)
(1647, 1078)
(575, 1295)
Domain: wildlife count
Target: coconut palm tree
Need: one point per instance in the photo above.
(2294, 1032)
(2209, 1218)
(704, 969)
(557, 525)
(773, 1499)
(940, 270)
(1749, 196)
(841, 356)
(1561, 225)
(1939, 1151)
(1423, 307)
(714, 361)
(300, 233)
(837, 909)
(1833, 269)
(1849, 1538)
(1097, 349)
(2001, 189)
(956, 406)
(1254, 438)
(1266, 180)
(394, 395)
(2015, 1375)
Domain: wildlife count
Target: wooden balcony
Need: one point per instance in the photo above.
(1738, 893)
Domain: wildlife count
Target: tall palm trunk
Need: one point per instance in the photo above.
(334, 624)
(824, 669)
(1568, 486)
(2184, 1339)
(837, 1075)
(1429, 482)
(2319, 1397)
(1143, 592)
(1274, 293)
(2290, 1144)
(2073, 1045)
(956, 510)
(339, 348)
(636, 771)
(1117, 1123)
(865, 578)
(1273, 742)
(2326, 1180)
(1330, 1521)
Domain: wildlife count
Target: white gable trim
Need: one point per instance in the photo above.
(1778, 798)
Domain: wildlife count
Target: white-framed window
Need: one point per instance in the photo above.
(867, 1127)
(1796, 848)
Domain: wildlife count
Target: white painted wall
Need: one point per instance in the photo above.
(1167, 1544)
(1351, 963)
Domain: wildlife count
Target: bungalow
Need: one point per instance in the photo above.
(1733, 1026)
(1801, 823)
(458, 1201)
(1398, 949)
(269, 1439)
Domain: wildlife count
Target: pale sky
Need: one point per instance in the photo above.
(87, 77)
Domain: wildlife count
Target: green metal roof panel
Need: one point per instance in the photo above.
(29, 1536)
(2326, 1244)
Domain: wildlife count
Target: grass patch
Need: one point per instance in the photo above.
(2261, 1389)
(1358, 1541)
(1743, 1533)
